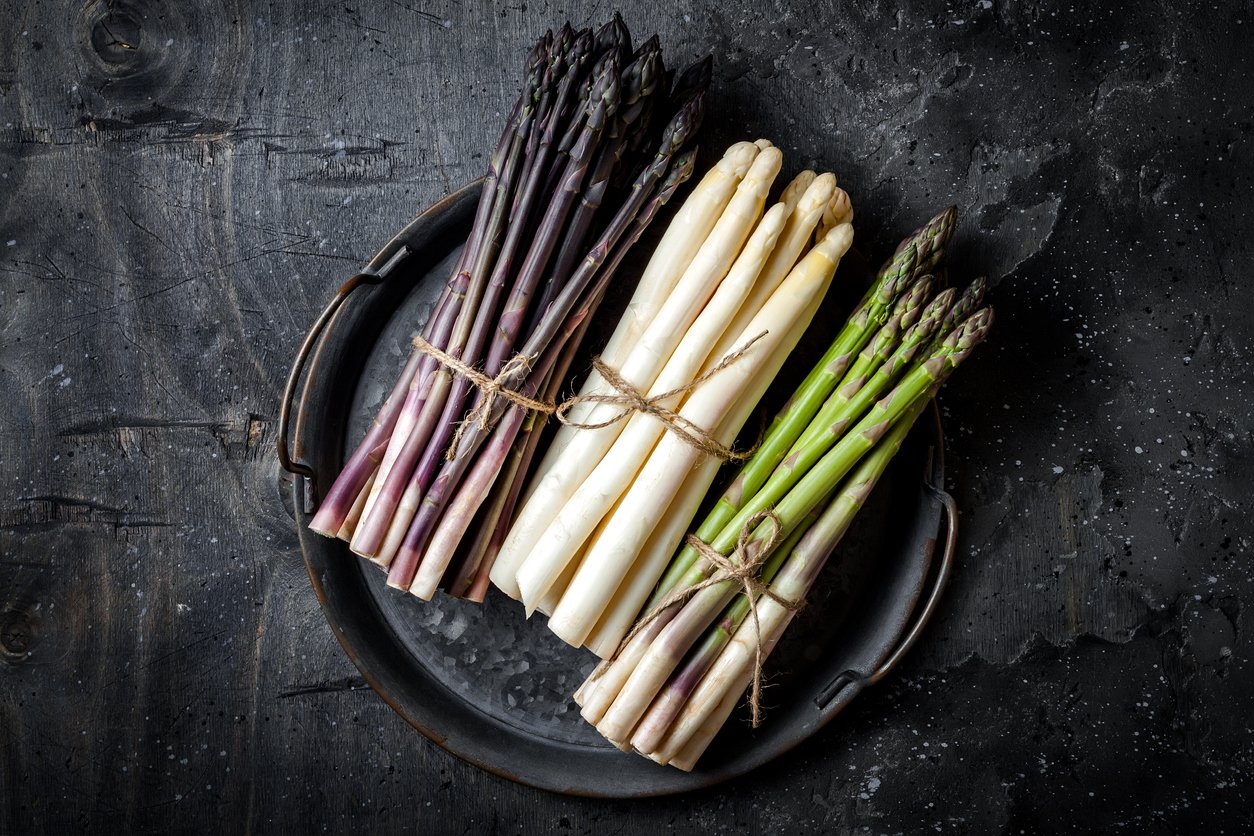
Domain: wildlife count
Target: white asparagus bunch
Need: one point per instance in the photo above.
(607, 507)
(593, 499)
(644, 356)
(612, 553)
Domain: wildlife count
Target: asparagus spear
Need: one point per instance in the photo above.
(471, 580)
(850, 447)
(579, 515)
(792, 241)
(972, 297)
(657, 719)
(612, 552)
(858, 390)
(638, 83)
(684, 235)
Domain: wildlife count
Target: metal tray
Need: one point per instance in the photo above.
(492, 687)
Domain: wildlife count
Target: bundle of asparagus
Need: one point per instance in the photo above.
(724, 300)
(598, 141)
(699, 644)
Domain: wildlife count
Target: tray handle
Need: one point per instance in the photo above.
(312, 340)
(857, 679)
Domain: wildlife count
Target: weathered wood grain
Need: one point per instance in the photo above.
(183, 185)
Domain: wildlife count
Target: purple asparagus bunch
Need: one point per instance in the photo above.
(598, 141)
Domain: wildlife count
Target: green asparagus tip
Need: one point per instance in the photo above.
(935, 235)
(910, 304)
(932, 317)
(968, 301)
(940, 305)
(896, 274)
(932, 237)
(976, 290)
(969, 334)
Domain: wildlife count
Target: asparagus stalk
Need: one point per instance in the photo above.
(601, 106)
(362, 465)
(970, 299)
(638, 82)
(477, 484)
(603, 99)
(445, 409)
(472, 580)
(354, 514)
(349, 483)
(669, 648)
(392, 488)
(859, 390)
(806, 191)
(673, 642)
(792, 241)
(666, 537)
(687, 622)
(791, 498)
(656, 721)
(604, 684)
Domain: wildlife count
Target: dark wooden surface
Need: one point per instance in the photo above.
(183, 186)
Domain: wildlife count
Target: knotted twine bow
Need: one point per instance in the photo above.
(627, 397)
(631, 400)
(491, 387)
(740, 566)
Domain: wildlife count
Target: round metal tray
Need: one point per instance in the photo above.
(492, 687)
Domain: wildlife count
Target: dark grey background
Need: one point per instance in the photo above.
(184, 185)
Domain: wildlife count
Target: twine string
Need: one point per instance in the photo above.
(746, 558)
(630, 400)
(625, 396)
(741, 567)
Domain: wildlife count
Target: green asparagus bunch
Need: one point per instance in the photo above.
(678, 675)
